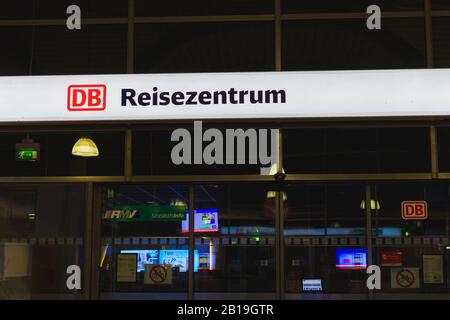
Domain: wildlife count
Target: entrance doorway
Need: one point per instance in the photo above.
(146, 245)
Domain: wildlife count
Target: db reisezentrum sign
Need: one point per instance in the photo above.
(225, 96)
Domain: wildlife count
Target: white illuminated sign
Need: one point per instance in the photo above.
(312, 285)
(225, 96)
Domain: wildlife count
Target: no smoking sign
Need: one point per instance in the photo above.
(405, 278)
(157, 274)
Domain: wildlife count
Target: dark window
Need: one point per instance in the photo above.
(204, 47)
(41, 234)
(388, 218)
(295, 6)
(444, 149)
(441, 36)
(386, 150)
(315, 215)
(240, 256)
(13, 9)
(202, 7)
(16, 53)
(152, 155)
(91, 50)
(324, 209)
(440, 5)
(348, 44)
(48, 9)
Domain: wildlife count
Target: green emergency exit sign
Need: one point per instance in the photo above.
(27, 155)
(27, 150)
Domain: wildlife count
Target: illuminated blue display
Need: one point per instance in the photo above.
(205, 220)
(175, 258)
(178, 258)
(144, 257)
(351, 259)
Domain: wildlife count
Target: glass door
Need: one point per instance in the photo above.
(144, 246)
(411, 229)
(325, 251)
(234, 231)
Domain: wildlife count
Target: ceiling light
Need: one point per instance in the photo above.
(85, 147)
(374, 204)
(178, 202)
(272, 194)
(274, 169)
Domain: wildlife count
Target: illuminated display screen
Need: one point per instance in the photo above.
(175, 258)
(178, 258)
(204, 262)
(144, 257)
(351, 259)
(312, 285)
(205, 220)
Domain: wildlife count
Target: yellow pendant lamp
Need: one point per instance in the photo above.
(272, 194)
(374, 204)
(85, 147)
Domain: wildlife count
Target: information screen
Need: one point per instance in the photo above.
(144, 257)
(205, 220)
(178, 258)
(351, 259)
(312, 285)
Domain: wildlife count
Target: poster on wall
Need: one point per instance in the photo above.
(126, 267)
(433, 270)
(391, 258)
(405, 278)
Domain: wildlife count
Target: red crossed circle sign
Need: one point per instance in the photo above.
(405, 278)
(158, 274)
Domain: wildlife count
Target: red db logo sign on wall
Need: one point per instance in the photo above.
(414, 210)
(86, 97)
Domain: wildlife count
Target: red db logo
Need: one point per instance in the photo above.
(414, 210)
(86, 97)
